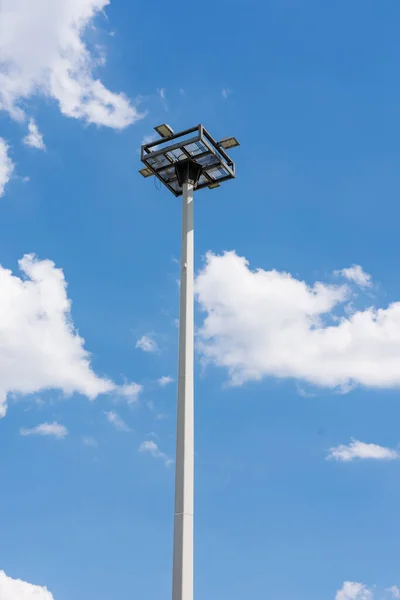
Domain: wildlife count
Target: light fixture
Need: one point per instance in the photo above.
(212, 186)
(146, 172)
(229, 142)
(164, 130)
(162, 158)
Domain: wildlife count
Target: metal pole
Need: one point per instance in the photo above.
(182, 579)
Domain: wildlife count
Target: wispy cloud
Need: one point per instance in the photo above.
(150, 447)
(357, 275)
(305, 393)
(361, 451)
(161, 417)
(226, 92)
(165, 380)
(161, 93)
(34, 138)
(394, 591)
(90, 442)
(47, 429)
(147, 139)
(147, 344)
(116, 421)
(130, 392)
(6, 165)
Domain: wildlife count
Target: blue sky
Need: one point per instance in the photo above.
(298, 326)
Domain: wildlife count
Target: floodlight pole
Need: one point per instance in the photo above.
(182, 578)
(183, 164)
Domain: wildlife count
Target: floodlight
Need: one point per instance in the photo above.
(146, 172)
(164, 130)
(229, 142)
(212, 186)
(208, 158)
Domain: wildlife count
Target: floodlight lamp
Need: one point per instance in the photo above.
(164, 130)
(229, 142)
(212, 186)
(190, 156)
(146, 172)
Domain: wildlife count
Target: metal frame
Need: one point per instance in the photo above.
(220, 159)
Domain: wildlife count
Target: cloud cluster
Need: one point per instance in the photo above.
(16, 589)
(268, 323)
(39, 346)
(42, 51)
(362, 451)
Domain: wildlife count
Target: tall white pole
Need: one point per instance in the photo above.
(182, 578)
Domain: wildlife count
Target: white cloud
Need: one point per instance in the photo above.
(151, 448)
(305, 393)
(39, 346)
(16, 589)
(6, 166)
(394, 591)
(360, 450)
(161, 93)
(34, 138)
(226, 92)
(116, 421)
(47, 429)
(130, 392)
(268, 323)
(147, 344)
(357, 275)
(165, 380)
(42, 51)
(353, 591)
